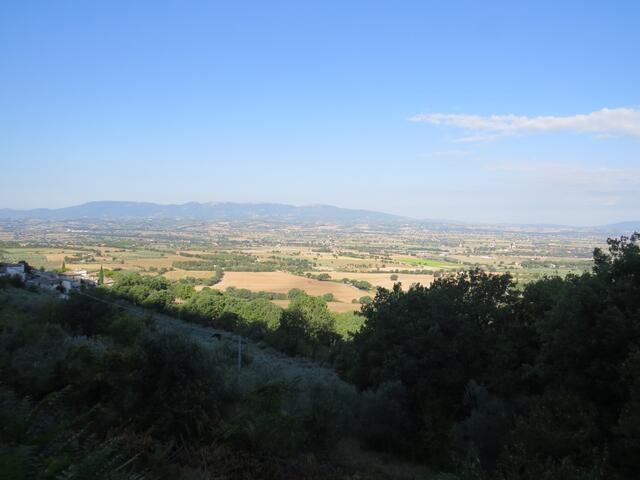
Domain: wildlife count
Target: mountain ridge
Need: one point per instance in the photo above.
(202, 211)
(267, 211)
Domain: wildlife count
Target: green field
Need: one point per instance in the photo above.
(32, 256)
(428, 262)
(135, 253)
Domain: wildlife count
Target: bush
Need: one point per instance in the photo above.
(384, 422)
(11, 281)
(366, 300)
(126, 329)
(83, 316)
(175, 388)
(295, 293)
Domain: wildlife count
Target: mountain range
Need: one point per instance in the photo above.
(204, 211)
(275, 212)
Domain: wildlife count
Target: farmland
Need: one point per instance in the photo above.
(427, 262)
(322, 260)
(303, 290)
(281, 282)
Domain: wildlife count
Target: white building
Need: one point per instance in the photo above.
(75, 279)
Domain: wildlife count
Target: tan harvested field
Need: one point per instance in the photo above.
(280, 282)
(384, 279)
(350, 263)
(157, 262)
(177, 274)
(281, 303)
(343, 307)
(56, 257)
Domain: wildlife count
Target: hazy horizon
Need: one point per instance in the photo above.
(409, 217)
(488, 113)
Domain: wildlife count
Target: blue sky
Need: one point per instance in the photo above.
(522, 112)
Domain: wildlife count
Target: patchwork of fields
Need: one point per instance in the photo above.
(312, 259)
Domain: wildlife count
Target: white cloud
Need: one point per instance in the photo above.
(604, 122)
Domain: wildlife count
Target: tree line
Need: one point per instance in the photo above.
(488, 380)
(241, 262)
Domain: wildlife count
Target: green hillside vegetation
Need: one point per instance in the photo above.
(315, 332)
(91, 392)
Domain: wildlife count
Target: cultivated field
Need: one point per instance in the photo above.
(177, 274)
(259, 257)
(427, 262)
(39, 257)
(280, 282)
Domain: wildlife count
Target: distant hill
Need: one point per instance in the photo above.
(205, 211)
(278, 212)
(620, 228)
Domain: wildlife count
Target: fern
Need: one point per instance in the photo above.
(42, 441)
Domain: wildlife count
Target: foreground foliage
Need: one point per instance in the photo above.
(89, 392)
(476, 376)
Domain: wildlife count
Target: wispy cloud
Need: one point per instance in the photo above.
(604, 122)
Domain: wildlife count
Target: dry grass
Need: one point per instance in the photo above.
(281, 303)
(343, 307)
(56, 257)
(280, 282)
(158, 262)
(177, 274)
